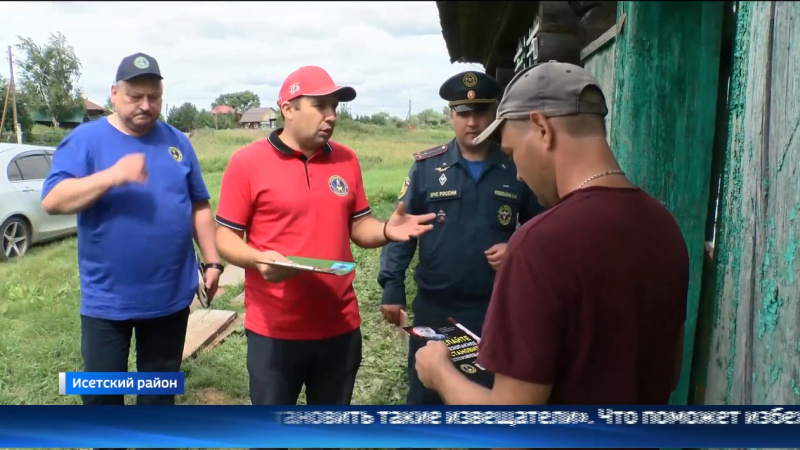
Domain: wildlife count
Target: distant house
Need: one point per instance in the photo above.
(259, 118)
(224, 109)
(86, 113)
(93, 110)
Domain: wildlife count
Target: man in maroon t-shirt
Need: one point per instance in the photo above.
(589, 305)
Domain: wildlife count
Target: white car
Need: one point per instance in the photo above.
(23, 221)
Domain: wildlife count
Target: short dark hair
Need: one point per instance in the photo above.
(295, 102)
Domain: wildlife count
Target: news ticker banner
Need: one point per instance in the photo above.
(248, 426)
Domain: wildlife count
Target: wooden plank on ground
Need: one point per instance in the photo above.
(204, 326)
(233, 326)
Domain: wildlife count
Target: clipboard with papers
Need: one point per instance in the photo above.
(324, 266)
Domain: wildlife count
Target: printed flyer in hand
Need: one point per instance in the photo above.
(463, 345)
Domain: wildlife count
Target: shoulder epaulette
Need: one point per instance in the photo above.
(431, 152)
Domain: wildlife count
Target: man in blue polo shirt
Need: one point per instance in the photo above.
(136, 187)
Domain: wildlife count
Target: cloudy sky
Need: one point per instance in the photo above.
(391, 52)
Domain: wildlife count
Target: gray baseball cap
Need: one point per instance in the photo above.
(552, 88)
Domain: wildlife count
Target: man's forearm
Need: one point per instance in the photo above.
(456, 389)
(76, 194)
(204, 231)
(368, 233)
(234, 249)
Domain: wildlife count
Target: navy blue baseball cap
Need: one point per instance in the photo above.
(138, 65)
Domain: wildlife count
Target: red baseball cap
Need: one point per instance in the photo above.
(313, 81)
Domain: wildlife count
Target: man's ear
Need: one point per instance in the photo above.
(542, 129)
(286, 110)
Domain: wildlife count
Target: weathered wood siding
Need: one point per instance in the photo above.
(666, 72)
(755, 345)
(600, 63)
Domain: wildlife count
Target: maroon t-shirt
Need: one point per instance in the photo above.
(590, 299)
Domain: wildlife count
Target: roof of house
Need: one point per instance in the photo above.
(92, 106)
(222, 109)
(258, 115)
(482, 32)
(75, 116)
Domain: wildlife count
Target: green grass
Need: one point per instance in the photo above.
(39, 293)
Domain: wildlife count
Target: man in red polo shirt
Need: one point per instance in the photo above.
(589, 304)
(298, 193)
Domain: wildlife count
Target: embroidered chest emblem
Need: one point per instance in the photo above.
(504, 215)
(337, 185)
(176, 154)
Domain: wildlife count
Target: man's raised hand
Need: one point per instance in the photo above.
(402, 226)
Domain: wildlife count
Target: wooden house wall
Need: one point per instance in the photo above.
(755, 340)
(600, 63)
(666, 70)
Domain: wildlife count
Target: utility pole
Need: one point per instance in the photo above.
(13, 98)
(5, 109)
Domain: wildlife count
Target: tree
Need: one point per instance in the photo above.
(23, 117)
(225, 121)
(183, 117)
(429, 117)
(344, 112)
(50, 75)
(240, 101)
(204, 119)
(381, 118)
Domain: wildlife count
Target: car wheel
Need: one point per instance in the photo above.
(15, 238)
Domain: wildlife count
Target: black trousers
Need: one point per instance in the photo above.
(279, 368)
(105, 346)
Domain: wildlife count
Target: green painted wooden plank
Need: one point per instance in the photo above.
(667, 61)
(756, 340)
(706, 314)
(601, 65)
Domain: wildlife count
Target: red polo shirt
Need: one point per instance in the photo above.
(296, 206)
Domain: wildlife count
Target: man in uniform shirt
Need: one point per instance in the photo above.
(478, 201)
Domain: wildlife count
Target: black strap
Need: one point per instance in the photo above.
(217, 266)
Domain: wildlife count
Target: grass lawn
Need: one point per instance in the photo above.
(39, 293)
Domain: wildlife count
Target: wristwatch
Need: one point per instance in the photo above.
(217, 266)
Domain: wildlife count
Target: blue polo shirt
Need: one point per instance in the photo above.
(135, 252)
